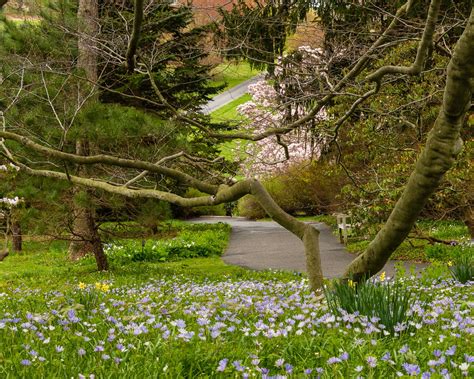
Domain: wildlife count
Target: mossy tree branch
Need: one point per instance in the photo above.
(224, 194)
(422, 52)
(442, 147)
(111, 160)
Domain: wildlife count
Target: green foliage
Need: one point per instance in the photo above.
(387, 301)
(380, 147)
(173, 48)
(257, 31)
(463, 269)
(420, 249)
(445, 253)
(350, 23)
(191, 242)
(434, 273)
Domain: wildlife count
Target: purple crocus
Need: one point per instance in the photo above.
(451, 350)
(222, 365)
(411, 369)
(404, 349)
(371, 361)
(333, 360)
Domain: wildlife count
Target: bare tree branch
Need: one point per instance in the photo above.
(422, 52)
(110, 160)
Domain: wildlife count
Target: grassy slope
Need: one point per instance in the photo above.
(243, 305)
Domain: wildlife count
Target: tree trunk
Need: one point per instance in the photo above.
(442, 147)
(17, 239)
(86, 238)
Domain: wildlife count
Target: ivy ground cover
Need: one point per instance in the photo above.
(244, 324)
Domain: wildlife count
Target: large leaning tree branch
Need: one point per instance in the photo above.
(111, 160)
(442, 147)
(305, 232)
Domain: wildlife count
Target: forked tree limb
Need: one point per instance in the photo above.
(442, 147)
(225, 194)
(422, 52)
(170, 158)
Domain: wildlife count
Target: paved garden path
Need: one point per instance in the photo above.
(261, 245)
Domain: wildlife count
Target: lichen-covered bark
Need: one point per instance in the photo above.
(442, 147)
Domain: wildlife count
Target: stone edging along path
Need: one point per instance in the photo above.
(266, 245)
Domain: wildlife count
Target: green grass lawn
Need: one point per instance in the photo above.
(421, 250)
(229, 111)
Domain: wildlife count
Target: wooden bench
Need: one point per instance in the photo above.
(344, 226)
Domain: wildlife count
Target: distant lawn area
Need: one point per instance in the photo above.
(233, 74)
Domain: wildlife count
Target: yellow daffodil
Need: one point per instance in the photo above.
(82, 285)
(382, 276)
(104, 287)
(351, 283)
(450, 263)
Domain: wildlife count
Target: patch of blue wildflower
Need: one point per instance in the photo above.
(172, 326)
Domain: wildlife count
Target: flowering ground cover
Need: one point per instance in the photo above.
(160, 320)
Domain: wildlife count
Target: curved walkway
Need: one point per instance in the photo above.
(263, 245)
